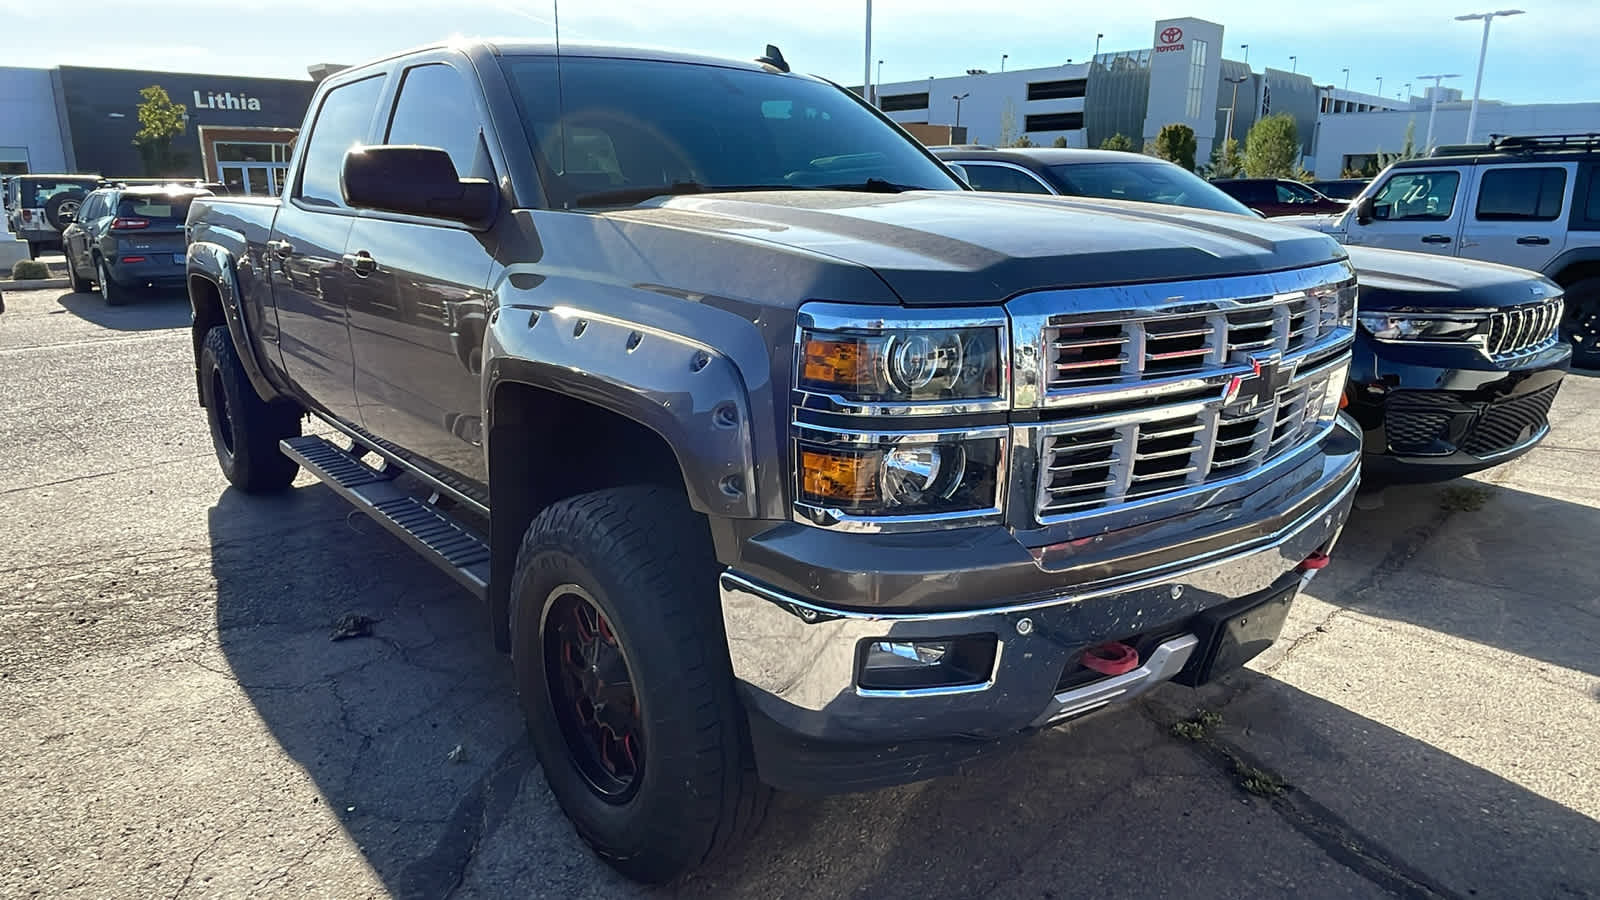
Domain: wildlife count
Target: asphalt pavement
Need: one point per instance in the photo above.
(176, 721)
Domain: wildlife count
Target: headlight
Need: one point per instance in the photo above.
(1422, 326)
(903, 366)
(900, 475)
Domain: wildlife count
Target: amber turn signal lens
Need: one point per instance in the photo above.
(840, 477)
(845, 364)
(1344, 399)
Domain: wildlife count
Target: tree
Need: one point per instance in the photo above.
(1059, 142)
(1008, 124)
(1272, 148)
(1118, 141)
(1226, 161)
(1176, 144)
(160, 120)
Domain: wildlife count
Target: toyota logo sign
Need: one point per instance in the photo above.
(1171, 35)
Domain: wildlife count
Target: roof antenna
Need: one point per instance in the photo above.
(774, 58)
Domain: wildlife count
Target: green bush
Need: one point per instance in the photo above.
(29, 269)
(1176, 143)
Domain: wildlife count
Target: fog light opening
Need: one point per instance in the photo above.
(901, 665)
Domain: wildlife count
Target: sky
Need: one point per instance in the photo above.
(1546, 55)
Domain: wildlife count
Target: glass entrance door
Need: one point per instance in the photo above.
(255, 179)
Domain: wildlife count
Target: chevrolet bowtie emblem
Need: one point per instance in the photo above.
(1267, 377)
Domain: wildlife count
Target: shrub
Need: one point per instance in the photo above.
(29, 269)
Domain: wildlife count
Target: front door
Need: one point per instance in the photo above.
(1519, 214)
(306, 251)
(1415, 209)
(418, 292)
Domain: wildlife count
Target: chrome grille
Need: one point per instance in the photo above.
(1523, 329)
(1084, 466)
(1101, 354)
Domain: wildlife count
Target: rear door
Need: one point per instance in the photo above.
(1519, 213)
(308, 241)
(1418, 209)
(1003, 177)
(418, 286)
(77, 237)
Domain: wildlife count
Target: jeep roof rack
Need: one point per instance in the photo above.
(1590, 141)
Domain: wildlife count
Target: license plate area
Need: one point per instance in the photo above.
(177, 259)
(1235, 633)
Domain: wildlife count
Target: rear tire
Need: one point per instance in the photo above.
(1581, 324)
(113, 293)
(642, 560)
(245, 430)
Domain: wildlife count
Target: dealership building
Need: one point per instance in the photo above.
(80, 119)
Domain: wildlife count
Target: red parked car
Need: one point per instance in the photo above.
(1279, 196)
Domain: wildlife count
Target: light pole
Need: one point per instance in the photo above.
(867, 93)
(1346, 78)
(1003, 58)
(1246, 49)
(1380, 87)
(879, 79)
(958, 98)
(1488, 18)
(1408, 93)
(1294, 65)
(1433, 110)
(1097, 44)
(1227, 134)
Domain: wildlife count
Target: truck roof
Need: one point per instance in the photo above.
(525, 47)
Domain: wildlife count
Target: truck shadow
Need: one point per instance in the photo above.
(414, 740)
(145, 311)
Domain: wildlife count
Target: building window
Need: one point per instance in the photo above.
(1058, 90)
(251, 151)
(1197, 78)
(903, 102)
(1070, 121)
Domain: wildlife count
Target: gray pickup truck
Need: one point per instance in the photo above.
(780, 459)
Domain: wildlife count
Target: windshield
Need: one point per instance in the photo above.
(627, 130)
(1143, 182)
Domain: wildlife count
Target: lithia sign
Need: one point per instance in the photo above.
(226, 100)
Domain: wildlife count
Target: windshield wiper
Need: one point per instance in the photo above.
(628, 196)
(871, 186)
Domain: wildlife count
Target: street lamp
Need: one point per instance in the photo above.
(1408, 92)
(1488, 18)
(1246, 49)
(1294, 64)
(1097, 44)
(1380, 86)
(958, 98)
(879, 79)
(1433, 110)
(866, 76)
(1346, 78)
(1227, 133)
(1003, 58)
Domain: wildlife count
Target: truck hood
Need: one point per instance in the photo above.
(1327, 223)
(1398, 279)
(948, 247)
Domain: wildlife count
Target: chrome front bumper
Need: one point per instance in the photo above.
(797, 661)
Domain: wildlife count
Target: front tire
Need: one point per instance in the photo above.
(1581, 324)
(245, 430)
(79, 284)
(614, 598)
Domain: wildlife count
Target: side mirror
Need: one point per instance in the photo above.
(416, 181)
(1258, 212)
(1366, 210)
(67, 217)
(961, 173)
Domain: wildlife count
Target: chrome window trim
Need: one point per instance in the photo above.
(1002, 164)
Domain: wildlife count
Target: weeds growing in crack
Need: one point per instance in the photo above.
(1198, 727)
(1464, 498)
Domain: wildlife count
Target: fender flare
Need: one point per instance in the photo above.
(215, 264)
(1575, 256)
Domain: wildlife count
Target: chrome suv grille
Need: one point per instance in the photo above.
(1524, 329)
(1098, 354)
(1084, 466)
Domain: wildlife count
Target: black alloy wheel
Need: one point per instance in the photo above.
(592, 695)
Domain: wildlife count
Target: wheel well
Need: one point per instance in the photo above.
(1577, 272)
(545, 447)
(206, 302)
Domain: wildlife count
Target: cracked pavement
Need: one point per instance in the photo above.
(175, 722)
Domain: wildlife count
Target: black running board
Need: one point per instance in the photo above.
(451, 546)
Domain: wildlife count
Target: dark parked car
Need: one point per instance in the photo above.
(1278, 196)
(128, 238)
(38, 207)
(1456, 363)
(1345, 189)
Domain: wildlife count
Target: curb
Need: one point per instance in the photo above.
(34, 284)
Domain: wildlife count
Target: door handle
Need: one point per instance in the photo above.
(1435, 239)
(281, 249)
(361, 262)
(1533, 239)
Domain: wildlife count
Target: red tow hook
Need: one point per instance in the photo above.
(1113, 658)
(1317, 560)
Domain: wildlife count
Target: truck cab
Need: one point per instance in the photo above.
(780, 458)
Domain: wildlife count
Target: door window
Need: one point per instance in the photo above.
(437, 109)
(1289, 192)
(1001, 178)
(1417, 196)
(1521, 194)
(342, 123)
